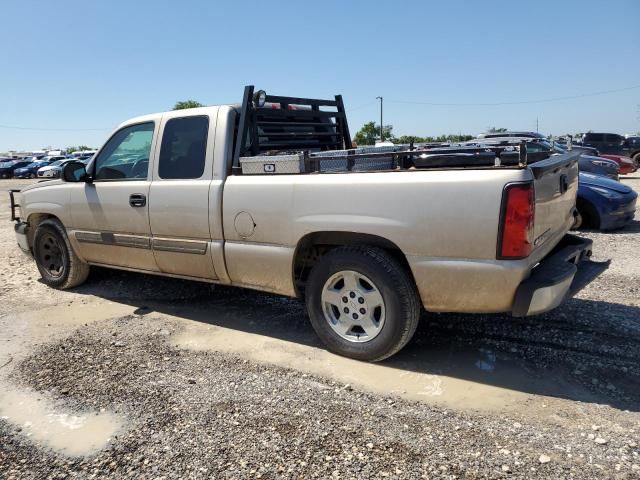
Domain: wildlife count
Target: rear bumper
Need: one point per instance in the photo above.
(626, 168)
(551, 281)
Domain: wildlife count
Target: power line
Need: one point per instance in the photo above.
(522, 102)
(362, 106)
(413, 102)
(14, 127)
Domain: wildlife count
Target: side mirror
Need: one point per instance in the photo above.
(74, 171)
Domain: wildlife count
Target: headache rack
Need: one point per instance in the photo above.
(272, 123)
(286, 135)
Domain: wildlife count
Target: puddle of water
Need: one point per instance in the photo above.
(45, 424)
(450, 379)
(21, 331)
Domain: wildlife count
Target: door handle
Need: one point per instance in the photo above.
(137, 200)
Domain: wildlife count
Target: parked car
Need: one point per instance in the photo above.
(539, 148)
(633, 146)
(607, 143)
(627, 165)
(53, 169)
(604, 204)
(8, 167)
(30, 170)
(579, 148)
(364, 238)
(586, 163)
(599, 166)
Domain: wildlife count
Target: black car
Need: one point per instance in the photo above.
(7, 167)
(613, 144)
(633, 144)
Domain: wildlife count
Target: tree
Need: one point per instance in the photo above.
(496, 130)
(370, 133)
(455, 138)
(412, 138)
(187, 104)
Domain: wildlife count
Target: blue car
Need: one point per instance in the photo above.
(603, 204)
(30, 171)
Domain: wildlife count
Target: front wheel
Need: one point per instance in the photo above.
(58, 264)
(362, 303)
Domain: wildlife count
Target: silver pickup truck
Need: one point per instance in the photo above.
(270, 194)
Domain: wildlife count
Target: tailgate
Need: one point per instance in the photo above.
(556, 187)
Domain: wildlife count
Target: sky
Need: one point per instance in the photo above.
(71, 70)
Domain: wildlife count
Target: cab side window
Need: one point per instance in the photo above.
(184, 145)
(126, 154)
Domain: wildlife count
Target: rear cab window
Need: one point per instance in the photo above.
(183, 150)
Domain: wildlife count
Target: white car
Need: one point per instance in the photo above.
(53, 169)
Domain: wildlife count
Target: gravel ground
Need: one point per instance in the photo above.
(570, 381)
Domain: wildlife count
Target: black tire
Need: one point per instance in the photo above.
(395, 284)
(590, 219)
(5, 175)
(58, 264)
(577, 221)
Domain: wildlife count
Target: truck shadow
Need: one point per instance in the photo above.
(586, 350)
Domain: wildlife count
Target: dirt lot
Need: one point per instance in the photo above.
(146, 377)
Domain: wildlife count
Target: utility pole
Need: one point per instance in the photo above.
(537, 131)
(381, 128)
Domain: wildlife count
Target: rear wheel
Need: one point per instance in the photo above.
(577, 220)
(589, 217)
(362, 303)
(58, 264)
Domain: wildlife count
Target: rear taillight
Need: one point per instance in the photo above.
(518, 211)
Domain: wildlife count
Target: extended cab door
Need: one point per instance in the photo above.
(179, 198)
(110, 216)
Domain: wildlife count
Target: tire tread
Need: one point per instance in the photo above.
(78, 270)
(403, 283)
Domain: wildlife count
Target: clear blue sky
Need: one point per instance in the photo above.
(76, 65)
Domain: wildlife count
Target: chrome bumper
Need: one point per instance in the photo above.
(557, 275)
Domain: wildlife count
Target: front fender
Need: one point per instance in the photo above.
(47, 200)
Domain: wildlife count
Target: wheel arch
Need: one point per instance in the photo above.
(312, 246)
(35, 219)
(589, 212)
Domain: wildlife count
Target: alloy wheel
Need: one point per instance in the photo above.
(353, 306)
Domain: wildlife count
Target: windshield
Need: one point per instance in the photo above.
(7, 164)
(56, 163)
